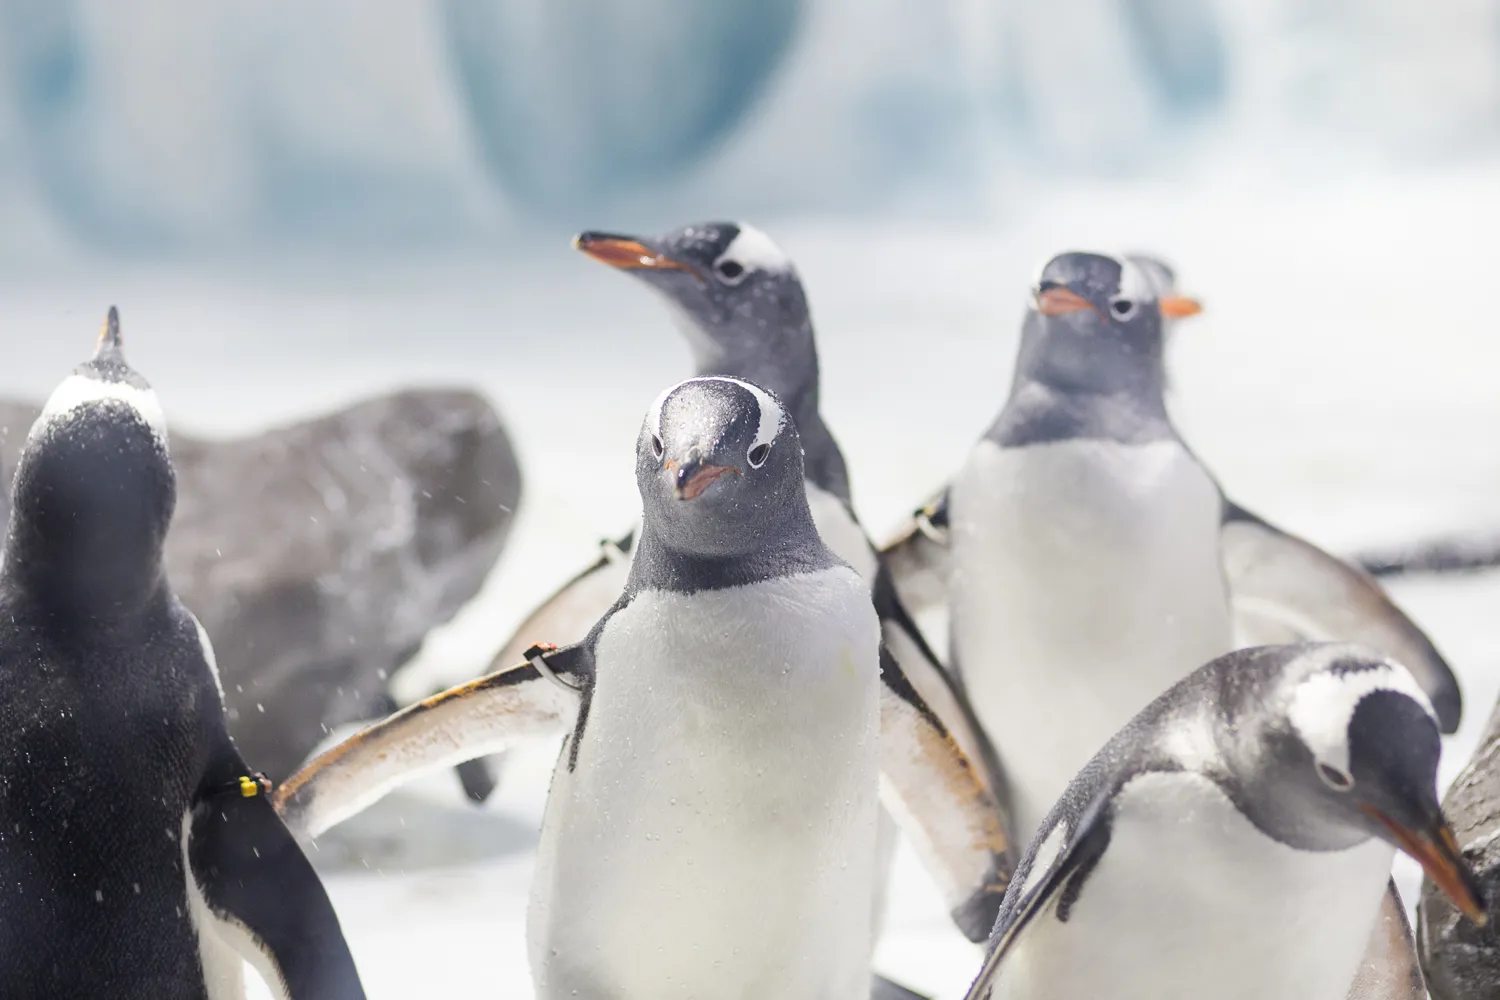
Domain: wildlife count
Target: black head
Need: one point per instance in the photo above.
(1345, 747)
(94, 490)
(719, 467)
(1096, 327)
(736, 295)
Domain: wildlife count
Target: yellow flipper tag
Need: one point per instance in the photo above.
(249, 787)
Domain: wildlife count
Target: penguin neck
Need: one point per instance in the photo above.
(659, 565)
(1121, 401)
(97, 584)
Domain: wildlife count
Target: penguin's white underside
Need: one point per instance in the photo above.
(1129, 533)
(725, 784)
(1178, 848)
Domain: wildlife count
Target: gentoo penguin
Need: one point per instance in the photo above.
(711, 825)
(141, 856)
(1092, 561)
(1234, 840)
(739, 302)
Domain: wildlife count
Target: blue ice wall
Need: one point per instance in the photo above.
(174, 123)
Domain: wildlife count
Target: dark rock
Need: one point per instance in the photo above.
(1461, 960)
(318, 555)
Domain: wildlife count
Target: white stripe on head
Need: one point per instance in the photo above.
(1324, 703)
(1135, 284)
(78, 391)
(772, 416)
(755, 251)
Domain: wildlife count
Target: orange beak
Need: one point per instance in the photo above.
(1179, 306)
(625, 253)
(1440, 857)
(1057, 301)
(692, 486)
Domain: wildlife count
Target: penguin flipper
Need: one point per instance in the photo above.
(939, 689)
(917, 558)
(1085, 845)
(1390, 969)
(259, 898)
(941, 804)
(471, 720)
(566, 616)
(1279, 582)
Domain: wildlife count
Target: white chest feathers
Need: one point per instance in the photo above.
(841, 533)
(1191, 901)
(1086, 581)
(716, 838)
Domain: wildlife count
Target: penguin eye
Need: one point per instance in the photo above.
(731, 272)
(1338, 780)
(758, 455)
(656, 447)
(1122, 308)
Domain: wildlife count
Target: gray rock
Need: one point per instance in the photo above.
(1462, 961)
(318, 555)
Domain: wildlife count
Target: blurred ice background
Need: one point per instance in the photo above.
(297, 204)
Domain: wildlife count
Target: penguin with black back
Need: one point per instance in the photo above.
(732, 723)
(141, 856)
(1234, 840)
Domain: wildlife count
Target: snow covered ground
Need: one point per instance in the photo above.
(1341, 383)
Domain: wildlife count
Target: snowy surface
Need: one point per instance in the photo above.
(1341, 383)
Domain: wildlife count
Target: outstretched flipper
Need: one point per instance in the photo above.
(1390, 969)
(941, 805)
(254, 897)
(484, 716)
(918, 560)
(1285, 589)
(565, 616)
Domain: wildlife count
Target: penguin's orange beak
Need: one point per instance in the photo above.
(1058, 301)
(1438, 853)
(1179, 306)
(625, 253)
(693, 479)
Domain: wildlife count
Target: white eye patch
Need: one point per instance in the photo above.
(754, 251)
(77, 391)
(1324, 703)
(772, 416)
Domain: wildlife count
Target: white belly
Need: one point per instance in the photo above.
(1086, 582)
(717, 837)
(1190, 901)
(840, 532)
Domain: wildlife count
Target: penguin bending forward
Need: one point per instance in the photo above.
(1087, 560)
(1234, 841)
(140, 856)
(711, 825)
